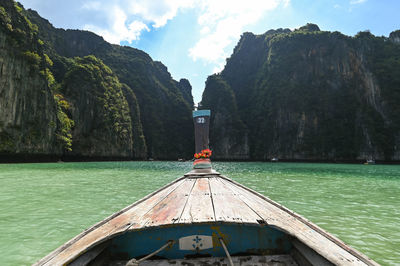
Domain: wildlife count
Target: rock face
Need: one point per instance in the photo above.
(28, 122)
(99, 109)
(164, 109)
(186, 90)
(395, 36)
(69, 93)
(308, 95)
(228, 134)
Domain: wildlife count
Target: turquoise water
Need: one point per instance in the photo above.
(44, 205)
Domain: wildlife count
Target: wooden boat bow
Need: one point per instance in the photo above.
(203, 214)
(205, 199)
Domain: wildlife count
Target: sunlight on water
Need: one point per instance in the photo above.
(44, 205)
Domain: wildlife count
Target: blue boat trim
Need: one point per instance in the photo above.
(239, 239)
(201, 113)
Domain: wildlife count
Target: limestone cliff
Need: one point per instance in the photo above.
(28, 121)
(395, 36)
(186, 90)
(163, 104)
(68, 93)
(102, 122)
(310, 95)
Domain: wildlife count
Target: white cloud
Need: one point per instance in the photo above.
(127, 19)
(119, 29)
(223, 22)
(205, 30)
(157, 12)
(355, 2)
(219, 67)
(93, 5)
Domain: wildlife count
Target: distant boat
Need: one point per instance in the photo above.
(370, 161)
(274, 159)
(205, 218)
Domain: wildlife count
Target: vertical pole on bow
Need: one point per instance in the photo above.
(201, 120)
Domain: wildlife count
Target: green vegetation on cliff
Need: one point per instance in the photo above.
(64, 132)
(160, 107)
(99, 108)
(309, 94)
(102, 100)
(383, 59)
(28, 115)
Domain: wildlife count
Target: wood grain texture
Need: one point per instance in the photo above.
(228, 207)
(169, 210)
(199, 207)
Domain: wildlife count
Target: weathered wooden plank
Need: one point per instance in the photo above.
(137, 217)
(309, 255)
(199, 207)
(129, 217)
(269, 213)
(228, 207)
(87, 257)
(308, 233)
(169, 210)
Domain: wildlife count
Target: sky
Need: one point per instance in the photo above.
(193, 38)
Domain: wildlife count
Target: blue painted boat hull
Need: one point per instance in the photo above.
(239, 239)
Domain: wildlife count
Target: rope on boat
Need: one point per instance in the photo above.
(134, 262)
(226, 251)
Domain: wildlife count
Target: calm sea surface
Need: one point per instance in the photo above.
(44, 205)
